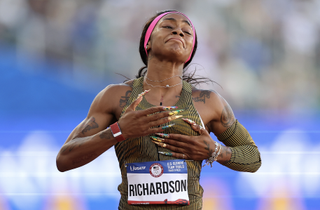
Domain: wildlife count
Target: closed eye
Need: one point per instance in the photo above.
(168, 27)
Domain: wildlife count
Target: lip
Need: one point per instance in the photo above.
(177, 39)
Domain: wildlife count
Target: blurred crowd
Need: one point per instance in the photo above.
(265, 54)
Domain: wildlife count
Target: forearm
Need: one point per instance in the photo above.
(225, 155)
(244, 158)
(243, 153)
(82, 150)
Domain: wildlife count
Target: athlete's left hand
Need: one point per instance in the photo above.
(188, 147)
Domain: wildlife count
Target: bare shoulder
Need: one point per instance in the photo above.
(215, 111)
(204, 96)
(112, 98)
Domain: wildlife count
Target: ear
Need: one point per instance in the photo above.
(148, 45)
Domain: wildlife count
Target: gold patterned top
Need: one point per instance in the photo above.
(142, 149)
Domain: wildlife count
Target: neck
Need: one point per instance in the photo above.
(164, 73)
(164, 79)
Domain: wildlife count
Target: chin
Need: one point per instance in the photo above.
(178, 53)
(173, 53)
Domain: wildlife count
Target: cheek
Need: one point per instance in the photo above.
(189, 42)
(157, 41)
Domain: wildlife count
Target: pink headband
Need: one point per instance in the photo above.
(154, 23)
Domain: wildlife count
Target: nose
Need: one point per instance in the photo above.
(178, 32)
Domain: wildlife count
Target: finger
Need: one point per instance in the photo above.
(158, 129)
(170, 107)
(175, 140)
(164, 144)
(195, 126)
(156, 113)
(182, 151)
(178, 140)
(163, 135)
(153, 110)
(161, 118)
(136, 102)
(174, 154)
(163, 121)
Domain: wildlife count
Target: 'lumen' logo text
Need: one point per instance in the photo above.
(133, 168)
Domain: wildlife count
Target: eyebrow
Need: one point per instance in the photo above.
(176, 20)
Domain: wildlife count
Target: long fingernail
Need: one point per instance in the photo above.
(188, 121)
(163, 135)
(165, 153)
(169, 107)
(155, 138)
(176, 112)
(174, 117)
(143, 93)
(168, 126)
(164, 145)
(157, 143)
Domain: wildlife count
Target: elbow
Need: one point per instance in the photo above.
(245, 161)
(61, 165)
(255, 166)
(60, 168)
(251, 168)
(255, 162)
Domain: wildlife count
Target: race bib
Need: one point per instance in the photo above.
(158, 182)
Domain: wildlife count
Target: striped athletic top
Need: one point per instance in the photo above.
(142, 149)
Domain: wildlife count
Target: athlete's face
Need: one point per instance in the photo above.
(172, 37)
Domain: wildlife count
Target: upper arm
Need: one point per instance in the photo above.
(224, 116)
(214, 110)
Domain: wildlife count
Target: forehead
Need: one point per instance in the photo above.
(175, 17)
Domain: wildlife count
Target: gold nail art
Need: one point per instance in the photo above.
(164, 145)
(155, 138)
(157, 143)
(174, 117)
(176, 112)
(188, 121)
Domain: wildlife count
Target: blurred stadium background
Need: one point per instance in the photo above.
(56, 55)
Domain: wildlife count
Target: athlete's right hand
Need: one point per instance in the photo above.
(135, 123)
